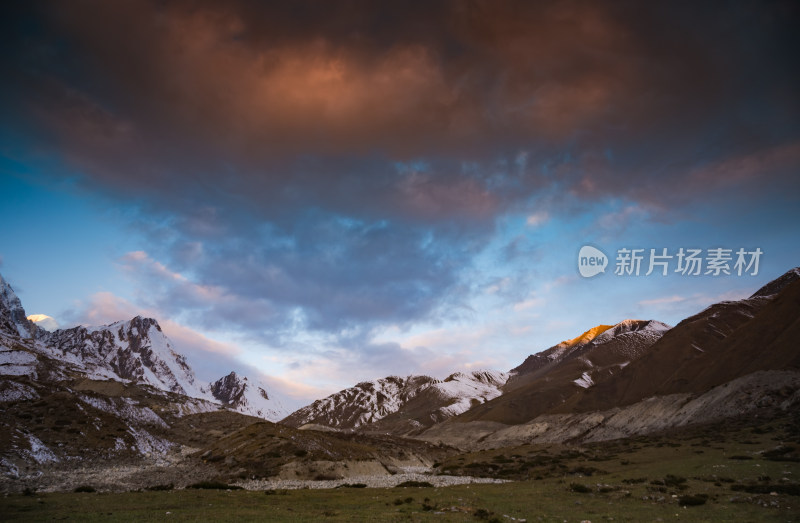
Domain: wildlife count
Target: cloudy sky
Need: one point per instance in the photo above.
(328, 192)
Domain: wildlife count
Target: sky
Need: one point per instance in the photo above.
(321, 193)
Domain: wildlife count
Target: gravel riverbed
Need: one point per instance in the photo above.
(369, 481)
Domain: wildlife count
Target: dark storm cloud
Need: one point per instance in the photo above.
(309, 102)
(347, 159)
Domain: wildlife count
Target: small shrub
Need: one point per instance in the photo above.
(326, 477)
(692, 501)
(586, 471)
(213, 485)
(300, 453)
(633, 481)
(85, 488)
(161, 487)
(352, 485)
(790, 489)
(482, 513)
(29, 491)
(578, 487)
(740, 457)
(781, 453)
(273, 492)
(414, 484)
(673, 481)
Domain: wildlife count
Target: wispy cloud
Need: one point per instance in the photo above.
(538, 218)
(661, 301)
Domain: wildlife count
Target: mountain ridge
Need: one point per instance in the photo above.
(382, 402)
(730, 359)
(135, 350)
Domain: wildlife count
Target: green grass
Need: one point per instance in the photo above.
(549, 500)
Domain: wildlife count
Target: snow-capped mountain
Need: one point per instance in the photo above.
(725, 341)
(595, 350)
(609, 367)
(12, 316)
(134, 351)
(401, 404)
(246, 396)
(409, 405)
(554, 376)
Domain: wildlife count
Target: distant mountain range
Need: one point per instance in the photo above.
(400, 404)
(134, 351)
(732, 358)
(122, 394)
(576, 388)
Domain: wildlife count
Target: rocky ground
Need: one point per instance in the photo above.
(174, 470)
(371, 481)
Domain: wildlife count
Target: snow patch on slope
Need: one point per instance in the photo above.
(585, 381)
(39, 451)
(464, 390)
(125, 408)
(17, 363)
(13, 391)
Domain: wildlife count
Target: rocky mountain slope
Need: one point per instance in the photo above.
(408, 406)
(621, 344)
(135, 351)
(724, 342)
(246, 396)
(732, 358)
(551, 377)
(400, 405)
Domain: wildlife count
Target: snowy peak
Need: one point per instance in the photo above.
(461, 391)
(135, 350)
(13, 320)
(605, 343)
(364, 403)
(486, 377)
(242, 395)
(628, 326)
(778, 284)
(586, 337)
(401, 404)
(229, 389)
